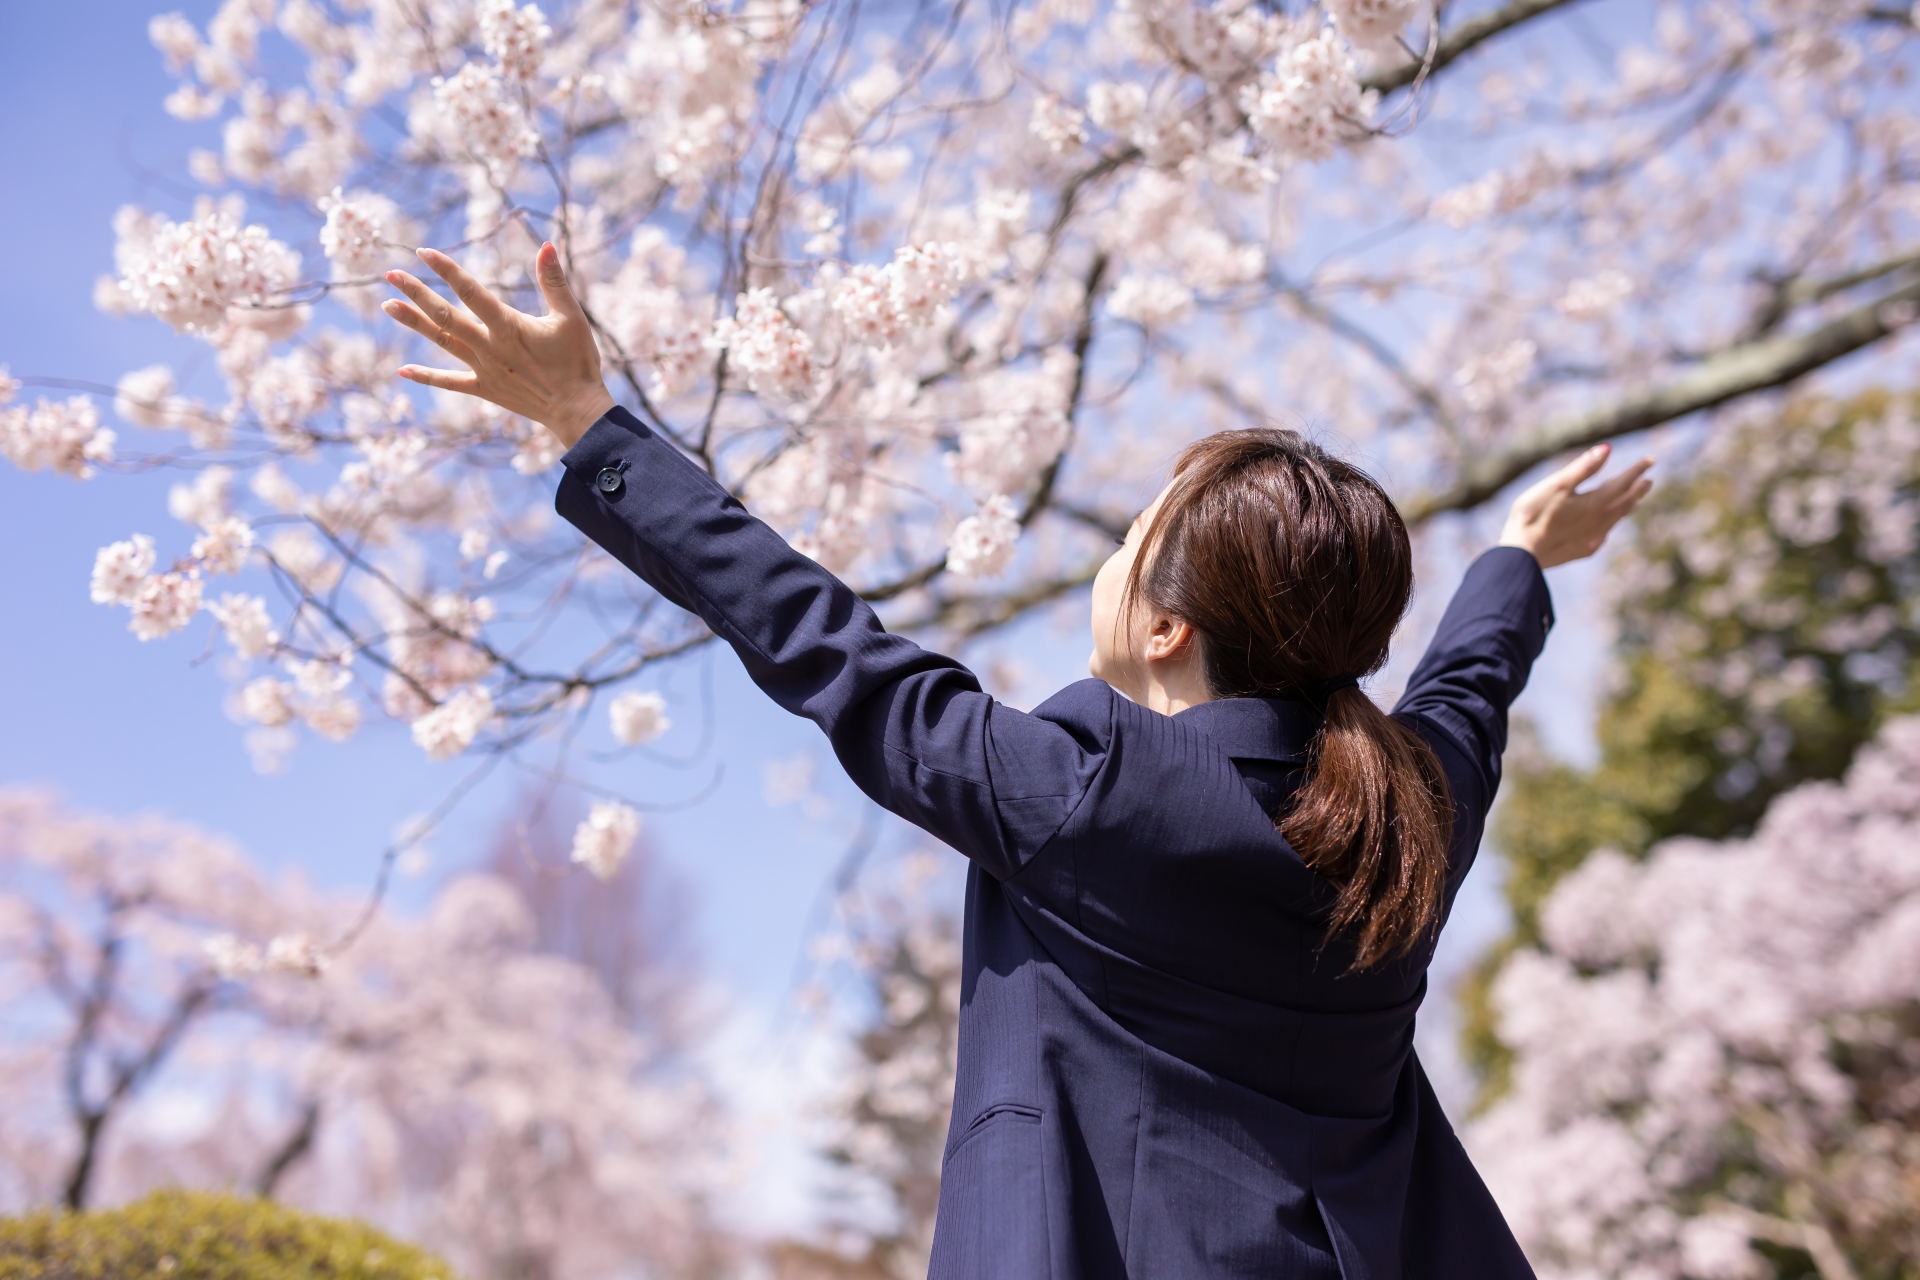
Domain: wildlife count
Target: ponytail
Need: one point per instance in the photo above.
(1295, 568)
(1373, 817)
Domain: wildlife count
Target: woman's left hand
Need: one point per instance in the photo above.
(546, 368)
(1558, 523)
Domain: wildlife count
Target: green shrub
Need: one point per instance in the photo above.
(197, 1235)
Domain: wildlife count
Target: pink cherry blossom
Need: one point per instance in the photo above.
(267, 701)
(514, 38)
(66, 437)
(767, 347)
(120, 568)
(224, 546)
(605, 838)
(450, 728)
(190, 273)
(638, 717)
(1310, 98)
(163, 603)
(362, 233)
(146, 397)
(982, 545)
(248, 627)
(480, 118)
(1694, 1038)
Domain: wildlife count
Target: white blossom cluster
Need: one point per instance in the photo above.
(361, 233)
(481, 118)
(878, 306)
(604, 839)
(451, 727)
(650, 317)
(191, 274)
(774, 353)
(65, 437)
(638, 718)
(982, 545)
(1311, 97)
(514, 38)
(1717, 1047)
(1373, 24)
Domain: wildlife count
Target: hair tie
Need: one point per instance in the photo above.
(1319, 691)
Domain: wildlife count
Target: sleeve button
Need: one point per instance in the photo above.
(608, 481)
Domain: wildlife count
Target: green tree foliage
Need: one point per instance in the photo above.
(197, 1235)
(1768, 615)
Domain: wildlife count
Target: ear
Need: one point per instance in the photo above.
(1171, 640)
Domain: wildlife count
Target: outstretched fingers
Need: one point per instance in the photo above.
(445, 379)
(439, 334)
(1581, 469)
(1621, 486)
(478, 298)
(1629, 498)
(443, 314)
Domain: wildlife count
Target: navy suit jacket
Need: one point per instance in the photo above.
(1165, 1068)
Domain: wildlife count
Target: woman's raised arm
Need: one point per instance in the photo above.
(913, 728)
(1497, 621)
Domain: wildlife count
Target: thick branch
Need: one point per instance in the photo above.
(1737, 371)
(298, 1143)
(1798, 291)
(1463, 38)
(966, 616)
(126, 1077)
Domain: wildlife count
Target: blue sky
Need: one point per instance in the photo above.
(121, 726)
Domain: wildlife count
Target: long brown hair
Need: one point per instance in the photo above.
(1295, 568)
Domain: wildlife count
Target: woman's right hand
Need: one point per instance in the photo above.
(541, 367)
(1557, 524)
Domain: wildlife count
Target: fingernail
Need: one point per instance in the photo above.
(421, 254)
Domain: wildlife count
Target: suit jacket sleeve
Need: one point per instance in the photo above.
(1493, 630)
(912, 728)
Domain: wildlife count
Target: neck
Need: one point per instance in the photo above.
(1171, 692)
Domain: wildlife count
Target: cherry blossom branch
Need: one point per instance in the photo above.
(1796, 291)
(966, 616)
(1736, 371)
(1462, 39)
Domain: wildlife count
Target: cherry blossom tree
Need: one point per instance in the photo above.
(171, 1019)
(1717, 1049)
(935, 291)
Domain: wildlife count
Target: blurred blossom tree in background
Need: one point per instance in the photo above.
(1715, 1066)
(445, 1077)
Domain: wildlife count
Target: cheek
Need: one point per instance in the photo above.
(1107, 586)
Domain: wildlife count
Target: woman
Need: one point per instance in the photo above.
(1205, 885)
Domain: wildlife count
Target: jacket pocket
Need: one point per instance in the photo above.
(993, 1217)
(1000, 1113)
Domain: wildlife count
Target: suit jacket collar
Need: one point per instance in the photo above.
(1257, 728)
